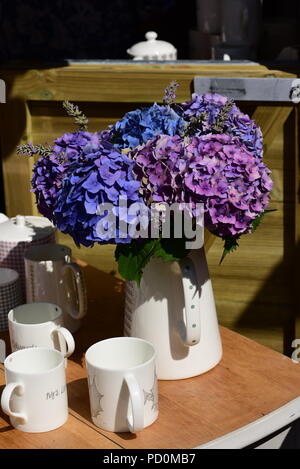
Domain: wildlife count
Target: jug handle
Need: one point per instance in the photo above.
(191, 300)
(81, 290)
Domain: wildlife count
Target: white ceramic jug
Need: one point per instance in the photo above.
(174, 309)
(51, 277)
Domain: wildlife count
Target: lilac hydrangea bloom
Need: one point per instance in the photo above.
(216, 170)
(49, 171)
(141, 125)
(236, 124)
(105, 177)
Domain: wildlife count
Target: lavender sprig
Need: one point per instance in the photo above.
(29, 149)
(74, 111)
(218, 126)
(195, 123)
(170, 93)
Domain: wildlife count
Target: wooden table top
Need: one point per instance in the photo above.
(250, 381)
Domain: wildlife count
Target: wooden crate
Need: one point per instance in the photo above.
(256, 287)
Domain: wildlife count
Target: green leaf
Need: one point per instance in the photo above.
(171, 249)
(257, 221)
(230, 245)
(133, 257)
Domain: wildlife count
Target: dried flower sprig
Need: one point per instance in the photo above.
(29, 149)
(170, 93)
(218, 126)
(195, 123)
(74, 111)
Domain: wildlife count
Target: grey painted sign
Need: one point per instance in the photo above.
(251, 89)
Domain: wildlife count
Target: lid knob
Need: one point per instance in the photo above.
(151, 35)
(20, 220)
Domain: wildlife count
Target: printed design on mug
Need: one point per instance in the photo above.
(96, 397)
(16, 346)
(51, 395)
(151, 396)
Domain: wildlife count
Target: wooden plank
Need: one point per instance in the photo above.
(129, 82)
(15, 124)
(270, 119)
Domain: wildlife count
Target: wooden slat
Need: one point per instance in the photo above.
(130, 82)
(271, 119)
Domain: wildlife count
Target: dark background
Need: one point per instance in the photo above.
(102, 29)
(89, 29)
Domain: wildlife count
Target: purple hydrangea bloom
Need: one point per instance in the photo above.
(216, 170)
(105, 177)
(49, 171)
(141, 125)
(236, 124)
(47, 176)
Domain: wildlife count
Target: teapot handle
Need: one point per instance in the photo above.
(191, 336)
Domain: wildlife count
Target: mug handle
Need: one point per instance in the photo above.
(191, 335)
(5, 400)
(81, 291)
(70, 342)
(136, 421)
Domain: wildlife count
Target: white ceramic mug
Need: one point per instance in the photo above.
(39, 325)
(122, 384)
(35, 395)
(53, 278)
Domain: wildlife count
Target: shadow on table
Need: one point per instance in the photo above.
(104, 318)
(79, 402)
(78, 397)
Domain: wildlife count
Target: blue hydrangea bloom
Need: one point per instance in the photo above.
(141, 125)
(105, 177)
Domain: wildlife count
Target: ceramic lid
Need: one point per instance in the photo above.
(151, 47)
(25, 229)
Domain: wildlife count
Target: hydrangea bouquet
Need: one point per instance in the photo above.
(203, 151)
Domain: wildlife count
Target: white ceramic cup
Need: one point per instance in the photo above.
(53, 278)
(35, 395)
(122, 384)
(39, 325)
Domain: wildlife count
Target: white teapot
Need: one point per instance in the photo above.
(151, 49)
